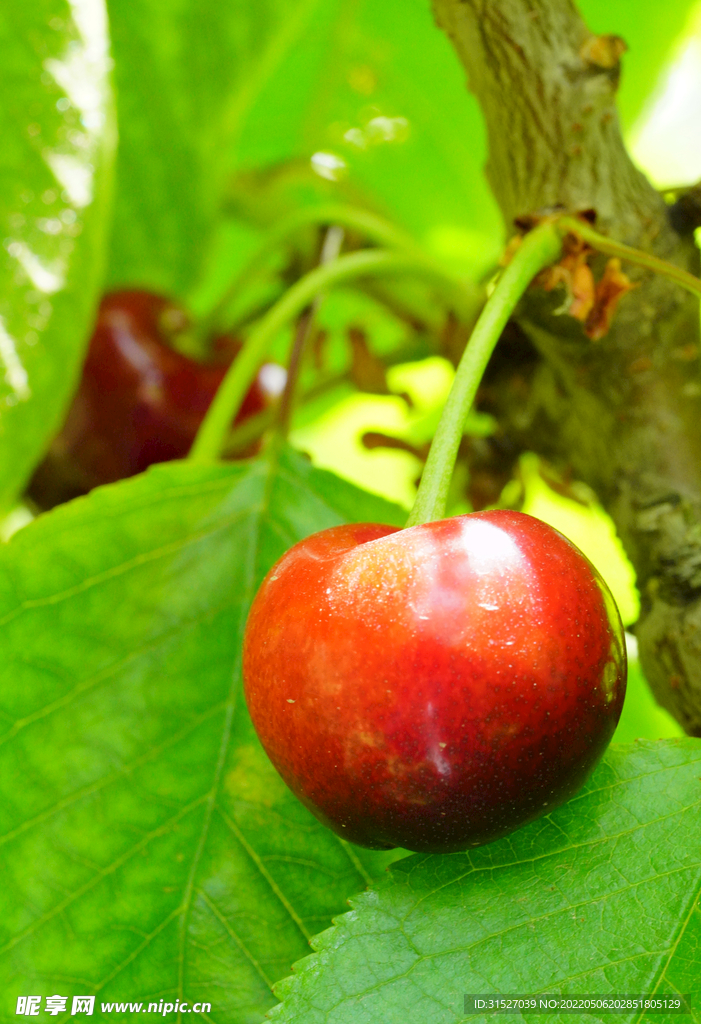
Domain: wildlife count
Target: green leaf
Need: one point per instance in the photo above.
(149, 851)
(602, 896)
(55, 161)
(186, 74)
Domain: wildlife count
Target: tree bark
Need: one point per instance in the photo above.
(623, 413)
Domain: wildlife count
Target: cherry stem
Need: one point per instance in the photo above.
(539, 248)
(214, 429)
(625, 252)
(465, 295)
(330, 249)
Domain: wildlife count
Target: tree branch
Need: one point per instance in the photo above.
(622, 413)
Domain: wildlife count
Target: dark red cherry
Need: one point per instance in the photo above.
(140, 401)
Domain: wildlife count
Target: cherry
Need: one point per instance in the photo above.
(434, 687)
(139, 400)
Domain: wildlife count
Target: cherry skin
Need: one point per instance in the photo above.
(435, 687)
(139, 400)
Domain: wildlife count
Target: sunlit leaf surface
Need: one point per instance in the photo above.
(149, 850)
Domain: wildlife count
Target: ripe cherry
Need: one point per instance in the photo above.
(139, 401)
(435, 687)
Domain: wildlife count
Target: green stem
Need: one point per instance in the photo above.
(538, 249)
(374, 228)
(626, 252)
(227, 401)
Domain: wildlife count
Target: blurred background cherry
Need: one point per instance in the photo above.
(140, 400)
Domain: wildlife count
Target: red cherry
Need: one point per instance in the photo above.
(139, 401)
(435, 687)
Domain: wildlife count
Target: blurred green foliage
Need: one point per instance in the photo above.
(642, 717)
(651, 30)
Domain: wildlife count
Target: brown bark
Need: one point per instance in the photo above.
(623, 413)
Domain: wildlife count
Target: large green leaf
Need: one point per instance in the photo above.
(600, 897)
(149, 851)
(55, 161)
(186, 73)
